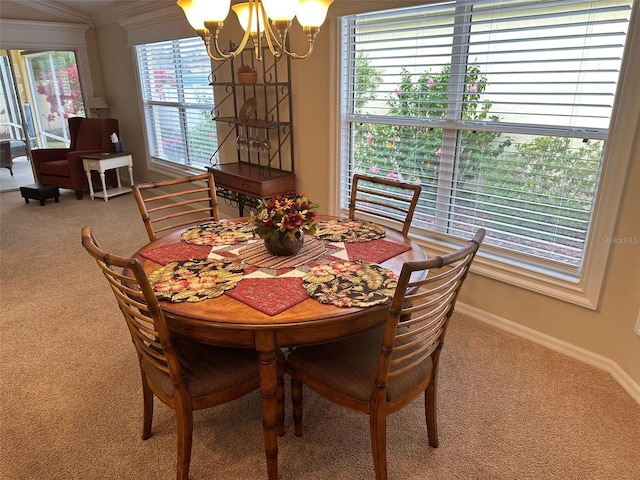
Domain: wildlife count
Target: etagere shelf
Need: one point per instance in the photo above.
(254, 160)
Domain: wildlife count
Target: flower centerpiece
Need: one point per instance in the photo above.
(282, 222)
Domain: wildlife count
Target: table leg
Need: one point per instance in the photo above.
(91, 192)
(131, 174)
(104, 186)
(265, 345)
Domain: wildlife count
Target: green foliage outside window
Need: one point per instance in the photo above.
(542, 183)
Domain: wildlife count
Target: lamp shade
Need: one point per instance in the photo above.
(312, 13)
(96, 102)
(212, 10)
(281, 9)
(192, 13)
(242, 11)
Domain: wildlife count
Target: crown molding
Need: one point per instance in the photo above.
(147, 18)
(126, 15)
(26, 34)
(57, 10)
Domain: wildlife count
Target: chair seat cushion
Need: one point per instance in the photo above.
(207, 370)
(57, 168)
(349, 366)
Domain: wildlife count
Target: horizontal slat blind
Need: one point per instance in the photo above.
(177, 101)
(499, 109)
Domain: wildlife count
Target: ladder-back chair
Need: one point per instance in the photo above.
(381, 197)
(183, 374)
(380, 371)
(170, 204)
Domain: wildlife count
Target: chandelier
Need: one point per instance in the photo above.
(266, 20)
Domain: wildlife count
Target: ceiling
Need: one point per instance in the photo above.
(100, 12)
(93, 12)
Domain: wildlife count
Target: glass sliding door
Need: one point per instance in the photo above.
(15, 167)
(54, 86)
(39, 91)
(10, 116)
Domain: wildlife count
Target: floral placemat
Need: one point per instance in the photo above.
(269, 295)
(348, 231)
(194, 280)
(218, 233)
(257, 255)
(177, 251)
(350, 284)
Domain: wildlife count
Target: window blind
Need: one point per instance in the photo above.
(177, 101)
(499, 109)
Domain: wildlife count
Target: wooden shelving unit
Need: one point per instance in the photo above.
(247, 172)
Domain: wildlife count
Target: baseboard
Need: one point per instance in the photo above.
(559, 346)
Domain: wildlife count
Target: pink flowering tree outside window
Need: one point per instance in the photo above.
(61, 89)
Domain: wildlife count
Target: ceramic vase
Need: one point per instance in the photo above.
(283, 245)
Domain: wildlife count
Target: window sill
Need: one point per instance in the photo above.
(544, 278)
(537, 277)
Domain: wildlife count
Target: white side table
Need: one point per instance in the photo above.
(108, 161)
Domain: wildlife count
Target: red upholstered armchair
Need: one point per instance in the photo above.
(63, 167)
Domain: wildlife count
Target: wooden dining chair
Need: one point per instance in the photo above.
(170, 204)
(380, 371)
(183, 374)
(382, 197)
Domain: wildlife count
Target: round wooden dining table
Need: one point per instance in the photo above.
(228, 322)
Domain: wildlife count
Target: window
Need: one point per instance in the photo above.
(177, 101)
(499, 109)
(54, 86)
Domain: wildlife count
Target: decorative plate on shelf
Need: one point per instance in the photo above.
(248, 109)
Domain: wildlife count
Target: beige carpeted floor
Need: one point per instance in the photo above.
(71, 404)
(22, 175)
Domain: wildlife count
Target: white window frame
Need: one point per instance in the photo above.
(158, 164)
(150, 26)
(585, 288)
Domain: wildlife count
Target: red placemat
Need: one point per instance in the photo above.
(264, 294)
(177, 251)
(375, 251)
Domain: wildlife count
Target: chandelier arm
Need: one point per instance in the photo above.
(257, 45)
(272, 38)
(311, 33)
(207, 44)
(219, 55)
(296, 56)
